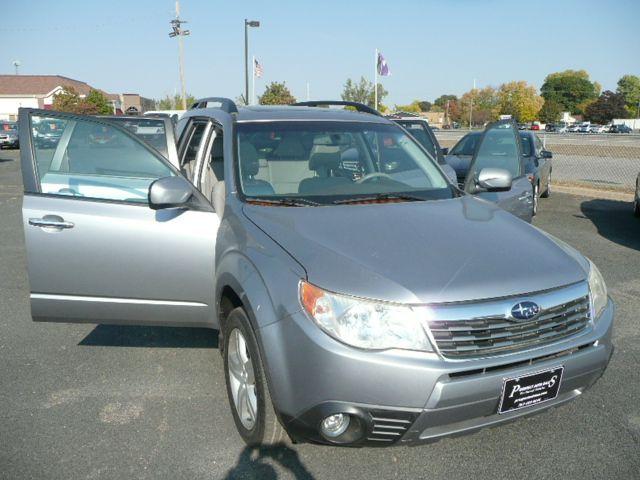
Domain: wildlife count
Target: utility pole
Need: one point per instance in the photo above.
(177, 31)
(308, 92)
(16, 66)
(375, 82)
(247, 24)
(471, 103)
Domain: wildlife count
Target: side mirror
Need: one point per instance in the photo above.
(169, 192)
(445, 150)
(547, 154)
(494, 179)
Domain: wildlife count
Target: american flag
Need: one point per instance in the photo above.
(257, 68)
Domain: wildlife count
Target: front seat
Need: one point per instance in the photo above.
(249, 168)
(324, 164)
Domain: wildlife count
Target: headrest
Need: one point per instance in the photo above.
(290, 147)
(329, 161)
(249, 164)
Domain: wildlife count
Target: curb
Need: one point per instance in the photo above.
(593, 193)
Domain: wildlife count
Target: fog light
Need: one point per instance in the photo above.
(335, 425)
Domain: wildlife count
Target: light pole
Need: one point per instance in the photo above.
(247, 24)
(16, 65)
(177, 31)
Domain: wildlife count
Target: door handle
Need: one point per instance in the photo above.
(50, 221)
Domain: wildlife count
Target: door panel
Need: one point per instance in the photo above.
(98, 255)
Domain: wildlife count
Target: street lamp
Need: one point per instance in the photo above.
(247, 24)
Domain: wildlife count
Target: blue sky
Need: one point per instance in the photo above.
(432, 47)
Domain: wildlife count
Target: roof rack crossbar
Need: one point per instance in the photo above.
(360, 107)
(226, 104)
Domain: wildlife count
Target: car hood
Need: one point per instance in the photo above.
(460, 163)
(420, 252)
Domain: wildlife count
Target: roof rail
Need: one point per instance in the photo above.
(360, 107)
(226, 104)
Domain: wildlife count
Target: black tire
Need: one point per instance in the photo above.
(267, 429)
(547, 190)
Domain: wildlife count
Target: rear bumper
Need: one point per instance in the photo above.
(407, 398)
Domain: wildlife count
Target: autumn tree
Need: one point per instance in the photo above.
(520, 100)
(608, 106)
(413, 107)
(442, 100)
(99, 102)
(572, 89)
(276, 93)
(363, 92)
(482, 103)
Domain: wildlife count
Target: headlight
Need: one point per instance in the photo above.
(598, 290)
(365, 323)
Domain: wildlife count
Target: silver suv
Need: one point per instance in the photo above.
(361, 298)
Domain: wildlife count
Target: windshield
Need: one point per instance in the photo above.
(467, 145)
(419, 132)
(150, 130)
(329, 162)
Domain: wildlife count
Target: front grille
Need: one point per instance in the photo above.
(496, 335)
(389, 426)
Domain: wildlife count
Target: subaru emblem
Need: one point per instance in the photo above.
(525, 310)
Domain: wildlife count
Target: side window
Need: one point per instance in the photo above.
(83, 158)
(526, 145)
(190, 154)
(216, 159)
(539, 146)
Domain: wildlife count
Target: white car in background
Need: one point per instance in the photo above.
(598, 129)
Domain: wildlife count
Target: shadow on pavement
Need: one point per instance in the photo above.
(5, 158)
(614, 220)
(251, 464)
(158, 337)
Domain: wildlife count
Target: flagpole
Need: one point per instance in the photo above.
(375, 81)
(253, 81)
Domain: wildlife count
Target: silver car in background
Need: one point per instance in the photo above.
(361, 298)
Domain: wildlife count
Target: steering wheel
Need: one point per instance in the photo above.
(372, 175)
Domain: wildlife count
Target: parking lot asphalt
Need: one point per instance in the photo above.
(104, 402)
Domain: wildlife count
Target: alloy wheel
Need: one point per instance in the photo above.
(242, 379)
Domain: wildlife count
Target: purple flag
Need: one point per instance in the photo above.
(383, 68)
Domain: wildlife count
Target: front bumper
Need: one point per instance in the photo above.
(410, 397)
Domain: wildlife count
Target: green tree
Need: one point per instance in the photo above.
(571, 89)
(363, 92)
(520, 100)
(174, 102)
(550, 111)
(413, 107)
(442, 100)
(608, 106)
(101, 103)
(68, 100)
(629, 88)
(425, 106)
(277, 93)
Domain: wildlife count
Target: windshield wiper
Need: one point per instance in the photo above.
(407, 197)
(284, 201)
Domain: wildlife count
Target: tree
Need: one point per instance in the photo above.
(101, 103)
(571, 89)
(413, 107)
(550, 111)
(362, 92)
(276, 93)
(629, 88)
(608, 106)
(174, 102)
(483, 105)
(442, 100)
(68, 100)
(425, 106)
(520, 100)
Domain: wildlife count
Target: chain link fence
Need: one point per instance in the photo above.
(603, 161)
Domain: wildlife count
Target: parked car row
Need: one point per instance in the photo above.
(361, 297)
(587, 127)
